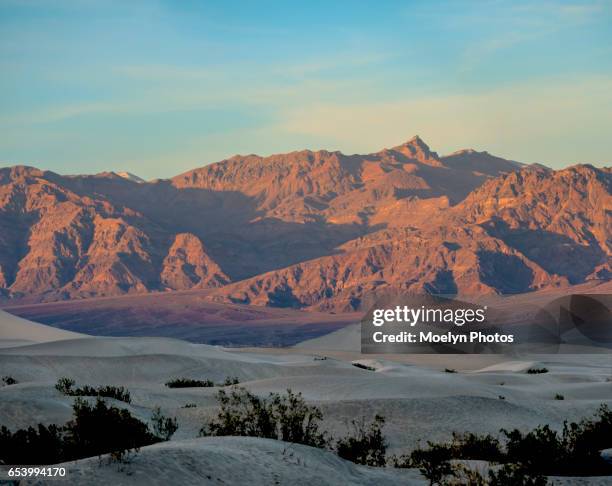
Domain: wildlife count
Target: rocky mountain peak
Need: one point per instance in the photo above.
(417, 149)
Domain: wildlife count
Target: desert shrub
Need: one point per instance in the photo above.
(366, 444)
(35, 445)
(433, 462)
(65, 386)
(477, 447)
(94, 430)
(284, 417)
(190, 405)
(583, 442)
(538, 450)
(189, 383)
(298, 422)
(117, 392)
(515, 475)
(526, 456)
(163, 427)
(507, 475)
(363, 366)
(244, 414)
(576, 451)
(9, 380)
(537, 371)
(558, 396)
(462, 475)
(98, 429)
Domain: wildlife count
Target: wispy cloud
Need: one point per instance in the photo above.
(529, 121)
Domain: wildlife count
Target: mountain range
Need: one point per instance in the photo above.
(317, 230)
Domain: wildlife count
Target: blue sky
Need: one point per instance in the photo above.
(160, 87)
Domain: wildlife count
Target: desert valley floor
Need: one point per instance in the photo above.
(419, 400)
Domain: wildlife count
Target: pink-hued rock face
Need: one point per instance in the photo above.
(308, 229)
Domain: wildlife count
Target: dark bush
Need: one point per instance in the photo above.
(433, 462)
(558, 396)
(366, 444)
(40, 445)
(163, 427)
(94, 430)
(117, 392)
(507, 475)
(364, 367)
(515, 475)
(9, 380)
(283, 417)
(189, 383)
(477, 447)
(526, 457)
(64, 385)
(242, 414)
(462, 475)
(97, 429)
(583, 442)
(298, 422)
(539, 450)
(537, 371)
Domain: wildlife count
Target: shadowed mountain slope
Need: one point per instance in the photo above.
(307, 228)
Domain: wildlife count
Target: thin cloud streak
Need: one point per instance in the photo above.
(529, 121)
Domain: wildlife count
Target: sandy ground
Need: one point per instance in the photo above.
(234, 460)
(419, 400)
(15, 331)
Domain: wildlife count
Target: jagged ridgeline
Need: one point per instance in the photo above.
(307, 229)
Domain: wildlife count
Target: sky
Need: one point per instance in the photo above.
(160, 87)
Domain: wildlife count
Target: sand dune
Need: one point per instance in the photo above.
(345, 339)
(16, 331)
(419, 400)
(234, 460)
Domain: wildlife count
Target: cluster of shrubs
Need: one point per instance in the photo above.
(9, 380)
(283, 417)
(366, 444)
(289, 418)
(191, 383)
(65, 386)
(95, 429)
(523, 458)
(575, 451)
(436, 463)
